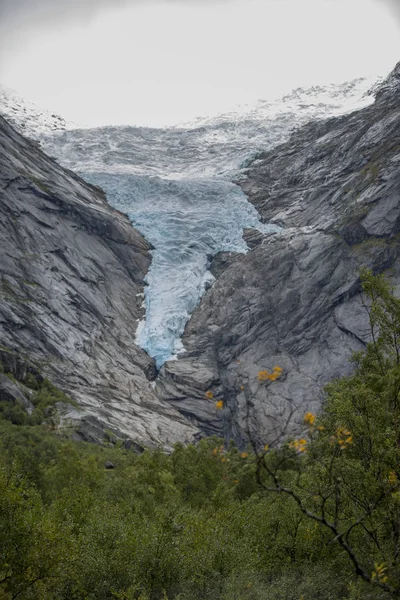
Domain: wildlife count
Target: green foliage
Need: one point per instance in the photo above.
(347, 482)
(316, 518)
(42, 395)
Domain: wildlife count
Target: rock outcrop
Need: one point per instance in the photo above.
(294, 299)
(71, 292)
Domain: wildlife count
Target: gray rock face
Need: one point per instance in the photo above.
(71, 286)
(294, 299)
(10, 392)
(72, 275)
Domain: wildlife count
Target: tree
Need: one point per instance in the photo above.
(344, 475)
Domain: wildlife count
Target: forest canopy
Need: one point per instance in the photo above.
(316, 516)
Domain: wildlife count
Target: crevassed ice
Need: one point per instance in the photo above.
(175, 185)
(186, 221)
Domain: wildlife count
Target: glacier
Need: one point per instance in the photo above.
(177, 186)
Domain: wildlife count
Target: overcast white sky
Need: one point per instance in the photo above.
(153, 63)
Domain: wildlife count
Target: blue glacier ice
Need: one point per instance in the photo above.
(176, 186)
(186, 221)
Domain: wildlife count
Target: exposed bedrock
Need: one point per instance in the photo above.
(72, 277)
(294, 299)
(71, 292)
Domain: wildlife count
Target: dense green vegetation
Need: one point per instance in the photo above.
(42, 395)
(316, 518)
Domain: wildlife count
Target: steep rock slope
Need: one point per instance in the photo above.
(71, 291)
(294, 299)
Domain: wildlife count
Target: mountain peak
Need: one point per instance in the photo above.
(26, 117)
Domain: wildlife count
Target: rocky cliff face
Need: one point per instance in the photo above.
(294, 299)
(71, 291)
(72, 276)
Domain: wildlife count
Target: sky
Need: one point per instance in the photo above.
(160, 62)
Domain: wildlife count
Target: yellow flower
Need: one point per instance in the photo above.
(266, 448)
(219, 404)
(263, 376)
(223, 459)
(309, 419)
(343, 437)
(242, 387)
(302, 445)
(209, 395)
(342, 432)
(299, 445)
(379, 573)
(244, 455)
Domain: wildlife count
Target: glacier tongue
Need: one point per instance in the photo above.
(186, 221)
(175, 185)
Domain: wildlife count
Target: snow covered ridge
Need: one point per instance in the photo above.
(319, 101)
(26, 117)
